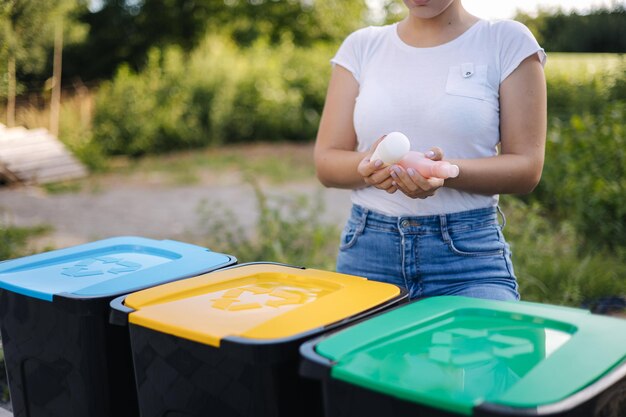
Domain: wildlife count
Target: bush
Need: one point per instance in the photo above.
(287, 230)
(217, 94)
(584, 179)
(76, 134)
(548, 261)
(584, 83)
(146, 113)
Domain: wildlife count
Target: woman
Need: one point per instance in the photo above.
(449, 81)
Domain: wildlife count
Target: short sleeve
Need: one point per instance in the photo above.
(350, 54)
(516, 44)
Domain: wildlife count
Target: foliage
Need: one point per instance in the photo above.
(259, 93)
(26, 35)
(287, 230)
(584, 178)
(546, 254)
(22, 24)
(123, 32)
(584, 83)
(600, 30)
(549, 263)
(76, 133)
(14, 240)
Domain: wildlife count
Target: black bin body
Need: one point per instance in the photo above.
(62, 356)
(190, 361)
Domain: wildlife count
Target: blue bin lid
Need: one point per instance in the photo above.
(107, 267)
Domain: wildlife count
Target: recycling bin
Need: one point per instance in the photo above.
(457, 356)
(63, 357)
(226, 343)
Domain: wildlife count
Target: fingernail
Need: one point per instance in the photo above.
(397, 170)
(393, 174)
(393, 183)
(410, 171)
(378, 163)
(429, 154)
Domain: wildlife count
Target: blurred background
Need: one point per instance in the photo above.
(195, 120)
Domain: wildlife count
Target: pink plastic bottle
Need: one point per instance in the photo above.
(428, 168)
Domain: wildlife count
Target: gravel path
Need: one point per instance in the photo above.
(125, 207)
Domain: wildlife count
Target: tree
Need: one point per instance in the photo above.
(601, 30)
(61, 16)
(28, 29)
(25, 28)
(122, 31)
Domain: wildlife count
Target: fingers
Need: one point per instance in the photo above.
(373, 147)
(376, 175)
(380, 179)
(367, 167)
(413, 184)
(435, 153)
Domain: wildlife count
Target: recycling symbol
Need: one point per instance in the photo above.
(99, 266)
(463, 347)
(271, 297)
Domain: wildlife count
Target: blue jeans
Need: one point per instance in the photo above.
(450, 254)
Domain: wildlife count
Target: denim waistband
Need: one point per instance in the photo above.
(432, 223)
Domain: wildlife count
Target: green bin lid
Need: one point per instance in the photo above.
(455, 353)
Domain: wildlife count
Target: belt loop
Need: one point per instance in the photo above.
(364, 215)
(443, 223)
(503, 217)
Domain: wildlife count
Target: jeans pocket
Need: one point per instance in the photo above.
(350, 233)
(483, 241)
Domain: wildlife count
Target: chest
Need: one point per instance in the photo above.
(453, 97)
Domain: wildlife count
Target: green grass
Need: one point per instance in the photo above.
(288, 230)
(582, 66)
(276, 163)
(549, 263)
(15, 241)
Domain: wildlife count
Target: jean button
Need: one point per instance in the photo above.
(405, 223)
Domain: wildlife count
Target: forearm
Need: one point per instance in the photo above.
(501, 174)
(337, 168)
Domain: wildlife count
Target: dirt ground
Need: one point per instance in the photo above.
(149, 205)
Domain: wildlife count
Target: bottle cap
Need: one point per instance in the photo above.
(392, 148)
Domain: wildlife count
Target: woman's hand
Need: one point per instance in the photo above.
(411, 183)
(374, 173)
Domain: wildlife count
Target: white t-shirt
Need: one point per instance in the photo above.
(444, 96)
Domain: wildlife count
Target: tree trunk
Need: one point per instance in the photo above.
(55, 100)
(11, 92)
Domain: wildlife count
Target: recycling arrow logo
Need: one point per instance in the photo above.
(464, 347)
(271, 297)
(100, 266)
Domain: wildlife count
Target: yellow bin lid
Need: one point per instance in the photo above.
(255, 301)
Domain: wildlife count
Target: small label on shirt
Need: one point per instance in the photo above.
(467, 69)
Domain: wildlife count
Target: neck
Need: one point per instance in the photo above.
(432, 31)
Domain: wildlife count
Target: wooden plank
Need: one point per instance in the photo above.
(27, 141)
(33, 152)
(7, 175)
(49, 177)
(38, 153)
(66, 160)
(58, 159)
(13, 132)
(36, 156)
(16, 137)
(54, 173)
